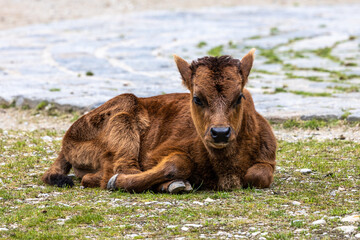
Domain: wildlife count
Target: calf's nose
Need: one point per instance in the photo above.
(220, 134)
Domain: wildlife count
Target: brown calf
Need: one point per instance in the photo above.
(212, 137)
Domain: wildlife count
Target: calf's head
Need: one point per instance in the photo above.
(216, 87)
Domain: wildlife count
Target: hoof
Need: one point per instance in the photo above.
(61, 180)
(176, 187)
(111, 185)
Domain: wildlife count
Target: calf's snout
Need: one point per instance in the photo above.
(220, 134)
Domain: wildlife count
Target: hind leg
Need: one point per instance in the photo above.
(92, 180)
(176, 165)
(57, 173)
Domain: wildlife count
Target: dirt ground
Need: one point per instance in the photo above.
(17, 13)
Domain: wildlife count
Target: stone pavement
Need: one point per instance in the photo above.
(307, 63)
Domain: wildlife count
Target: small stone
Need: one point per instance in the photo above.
(193, 225)
(209, 200)
(4, 229)
(185, 229)
(255, 234)
(357, 235)
(346, 229)
(296, 203)
(319, 222)
(252, 228)
(47, 138)
(353, 218)
(198, 203)
(305, 171)
(171, 226)
(262, 238)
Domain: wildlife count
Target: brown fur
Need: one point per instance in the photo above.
(152, 141)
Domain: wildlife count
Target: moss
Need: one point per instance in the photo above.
(201, 44)
(54, 89)
(42, 105)
(216, 51)
(271, 56)
(274, 31)
(232, 45)
(89, 73)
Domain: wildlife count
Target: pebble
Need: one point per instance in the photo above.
(47, 138)
(209, 200)
(172, 226)
(319, 222)
(185, 229)
(357, 235)
(193, 225)
(346, 229)
(296, 203)
(353, 218)
(4, 229)
(198, 203)
(305, 171)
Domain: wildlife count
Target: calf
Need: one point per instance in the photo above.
(212, 137)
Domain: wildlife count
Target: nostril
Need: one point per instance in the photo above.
(213, 133)
(227, 133)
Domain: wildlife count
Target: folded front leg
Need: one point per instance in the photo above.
(259, 175)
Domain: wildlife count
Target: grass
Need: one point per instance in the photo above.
(302, 93)
(201, 44)
(54, 89)
(310, 78)
(89, 73)
(345, 89)
(271, 56)
(31, 210)
(216, 51)
(310, 124)
(326, 53)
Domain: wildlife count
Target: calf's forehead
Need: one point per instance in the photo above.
(223, 82)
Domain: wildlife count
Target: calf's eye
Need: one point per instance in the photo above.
(197, 101)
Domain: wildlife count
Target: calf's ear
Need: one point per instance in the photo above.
(246, 64)
(184, 69)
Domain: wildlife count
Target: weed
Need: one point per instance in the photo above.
(201, 44)
(232, 45)
(89, 73)
(54, 89)
(271, 56)
(274, 31)
(42, 105)
(216, 51)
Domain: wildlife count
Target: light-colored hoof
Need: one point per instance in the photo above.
(176, 187)
(111, 185)
(188, 187)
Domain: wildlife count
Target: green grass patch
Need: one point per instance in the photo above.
(216, 51)
(54, 89)
(31, 210)
(89, 73)
(345, 89)
(201, 44)
(271, 56)
(326, 53)
(42, 105)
